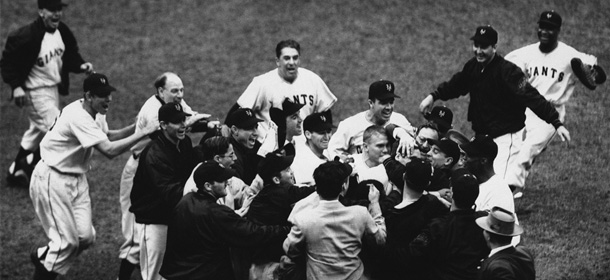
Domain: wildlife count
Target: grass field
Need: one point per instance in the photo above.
(219, 46)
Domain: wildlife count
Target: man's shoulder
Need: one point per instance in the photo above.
(23, 33)
(354, 119)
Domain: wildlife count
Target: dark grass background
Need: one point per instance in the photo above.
(218, 47)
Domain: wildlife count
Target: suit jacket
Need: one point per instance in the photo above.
(510, 263)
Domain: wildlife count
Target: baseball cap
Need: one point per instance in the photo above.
(243, 118)
(442, 117)
(50, 4)
(318, 122)
(289, 107)
(98, 85)
(481, 146)
(272, 163)
(486, 35)
(381, 90)
(211, 171)
(418, 174)
(448, 147)
(464, 186)
(551, 18)
(172, 112)
(501, 222)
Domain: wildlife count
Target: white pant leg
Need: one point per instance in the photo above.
(43, 109)
(63, 206)
(130, 249)
(152, 250)
(508, 149)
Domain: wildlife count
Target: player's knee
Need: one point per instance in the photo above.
(86, 240)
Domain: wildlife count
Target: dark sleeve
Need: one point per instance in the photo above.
(516, 81)
(395, 171)
(297, 193)
(15, 58)
(456, 86)
(72, 59)
(238, 231)
(165, 179)
(425, 244)
(499, 270)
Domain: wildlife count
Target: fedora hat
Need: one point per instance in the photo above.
(501, 222)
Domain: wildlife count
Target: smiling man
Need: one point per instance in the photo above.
(314, 151)
(287, 81)
(348, 141)
(499, 94)
(243, 124)
(59, 189)
(164, 167)
(35, 63)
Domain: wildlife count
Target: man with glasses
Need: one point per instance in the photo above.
(35, 63)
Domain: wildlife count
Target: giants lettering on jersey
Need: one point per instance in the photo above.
(545, 71)
(41, 61)
(303, 99)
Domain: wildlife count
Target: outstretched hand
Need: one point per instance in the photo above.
(563, 133)
(426, 105)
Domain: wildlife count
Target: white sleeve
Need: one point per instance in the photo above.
(326, 99)
(517, 58)
(339, 142)
(253, 97)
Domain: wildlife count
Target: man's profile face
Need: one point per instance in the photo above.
(482, 52)
(288, 64)
(173, 91)
(51, 17)
(218, 189)
(245, 136)
(287, 176)
(376, 147)
(293, 125)
(227, 159)
(437, 157)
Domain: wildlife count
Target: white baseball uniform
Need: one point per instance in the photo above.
(270, 90)
(149, 113)
(59, 188)
(377, 173)
(551, 74)
(495, 192)
(305, 162)
(347, 140)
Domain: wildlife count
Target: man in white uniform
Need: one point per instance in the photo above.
(35, 63)
(314, 151)
(288, 80)
(369, 164)
(347, 140)
(59, 188)
(548, 67)
(168, 89)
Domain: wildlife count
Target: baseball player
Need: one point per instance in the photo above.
(549, 67)
(298, 84)
(314, 150)
(35, 63)
(59, 188)
(347, 140)
(499, 93)
(168, 89)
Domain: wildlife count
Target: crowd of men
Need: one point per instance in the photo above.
(273, 193)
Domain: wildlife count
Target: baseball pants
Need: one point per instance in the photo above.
(42, 109)
(152, 250)
(538, 134)
(508, 149)
(63, 206)
(130, 249)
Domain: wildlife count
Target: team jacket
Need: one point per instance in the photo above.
(202, 231)
(160, 178)
(499, 93)
(22, 49)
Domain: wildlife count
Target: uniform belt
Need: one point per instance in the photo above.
(61, 172)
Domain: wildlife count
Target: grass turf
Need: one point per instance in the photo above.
(217, 47)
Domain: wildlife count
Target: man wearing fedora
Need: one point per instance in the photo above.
(504, 261)
(35, 63)
(499, 94)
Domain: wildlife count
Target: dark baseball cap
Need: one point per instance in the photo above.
(486, 35)
(448, 147)
(98, 85)
(289, 107)
(551, 18)
(243, 118)
(318, 122)
(50, 4)
(272, 163)
(211, 171)
(442, 117)
(481, 146)
(418, 174)
(172, 113)
(381, 90)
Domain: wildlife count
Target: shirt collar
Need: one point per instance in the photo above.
(493, 251)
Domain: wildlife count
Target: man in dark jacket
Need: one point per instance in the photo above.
(202, 231)
(453, 245)
(505, 261)
(499, 93)
(35, 63)
(165, 165)
(243, 124)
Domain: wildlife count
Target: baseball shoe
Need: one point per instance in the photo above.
(40, 272)
(518, 192)
(18, 179)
